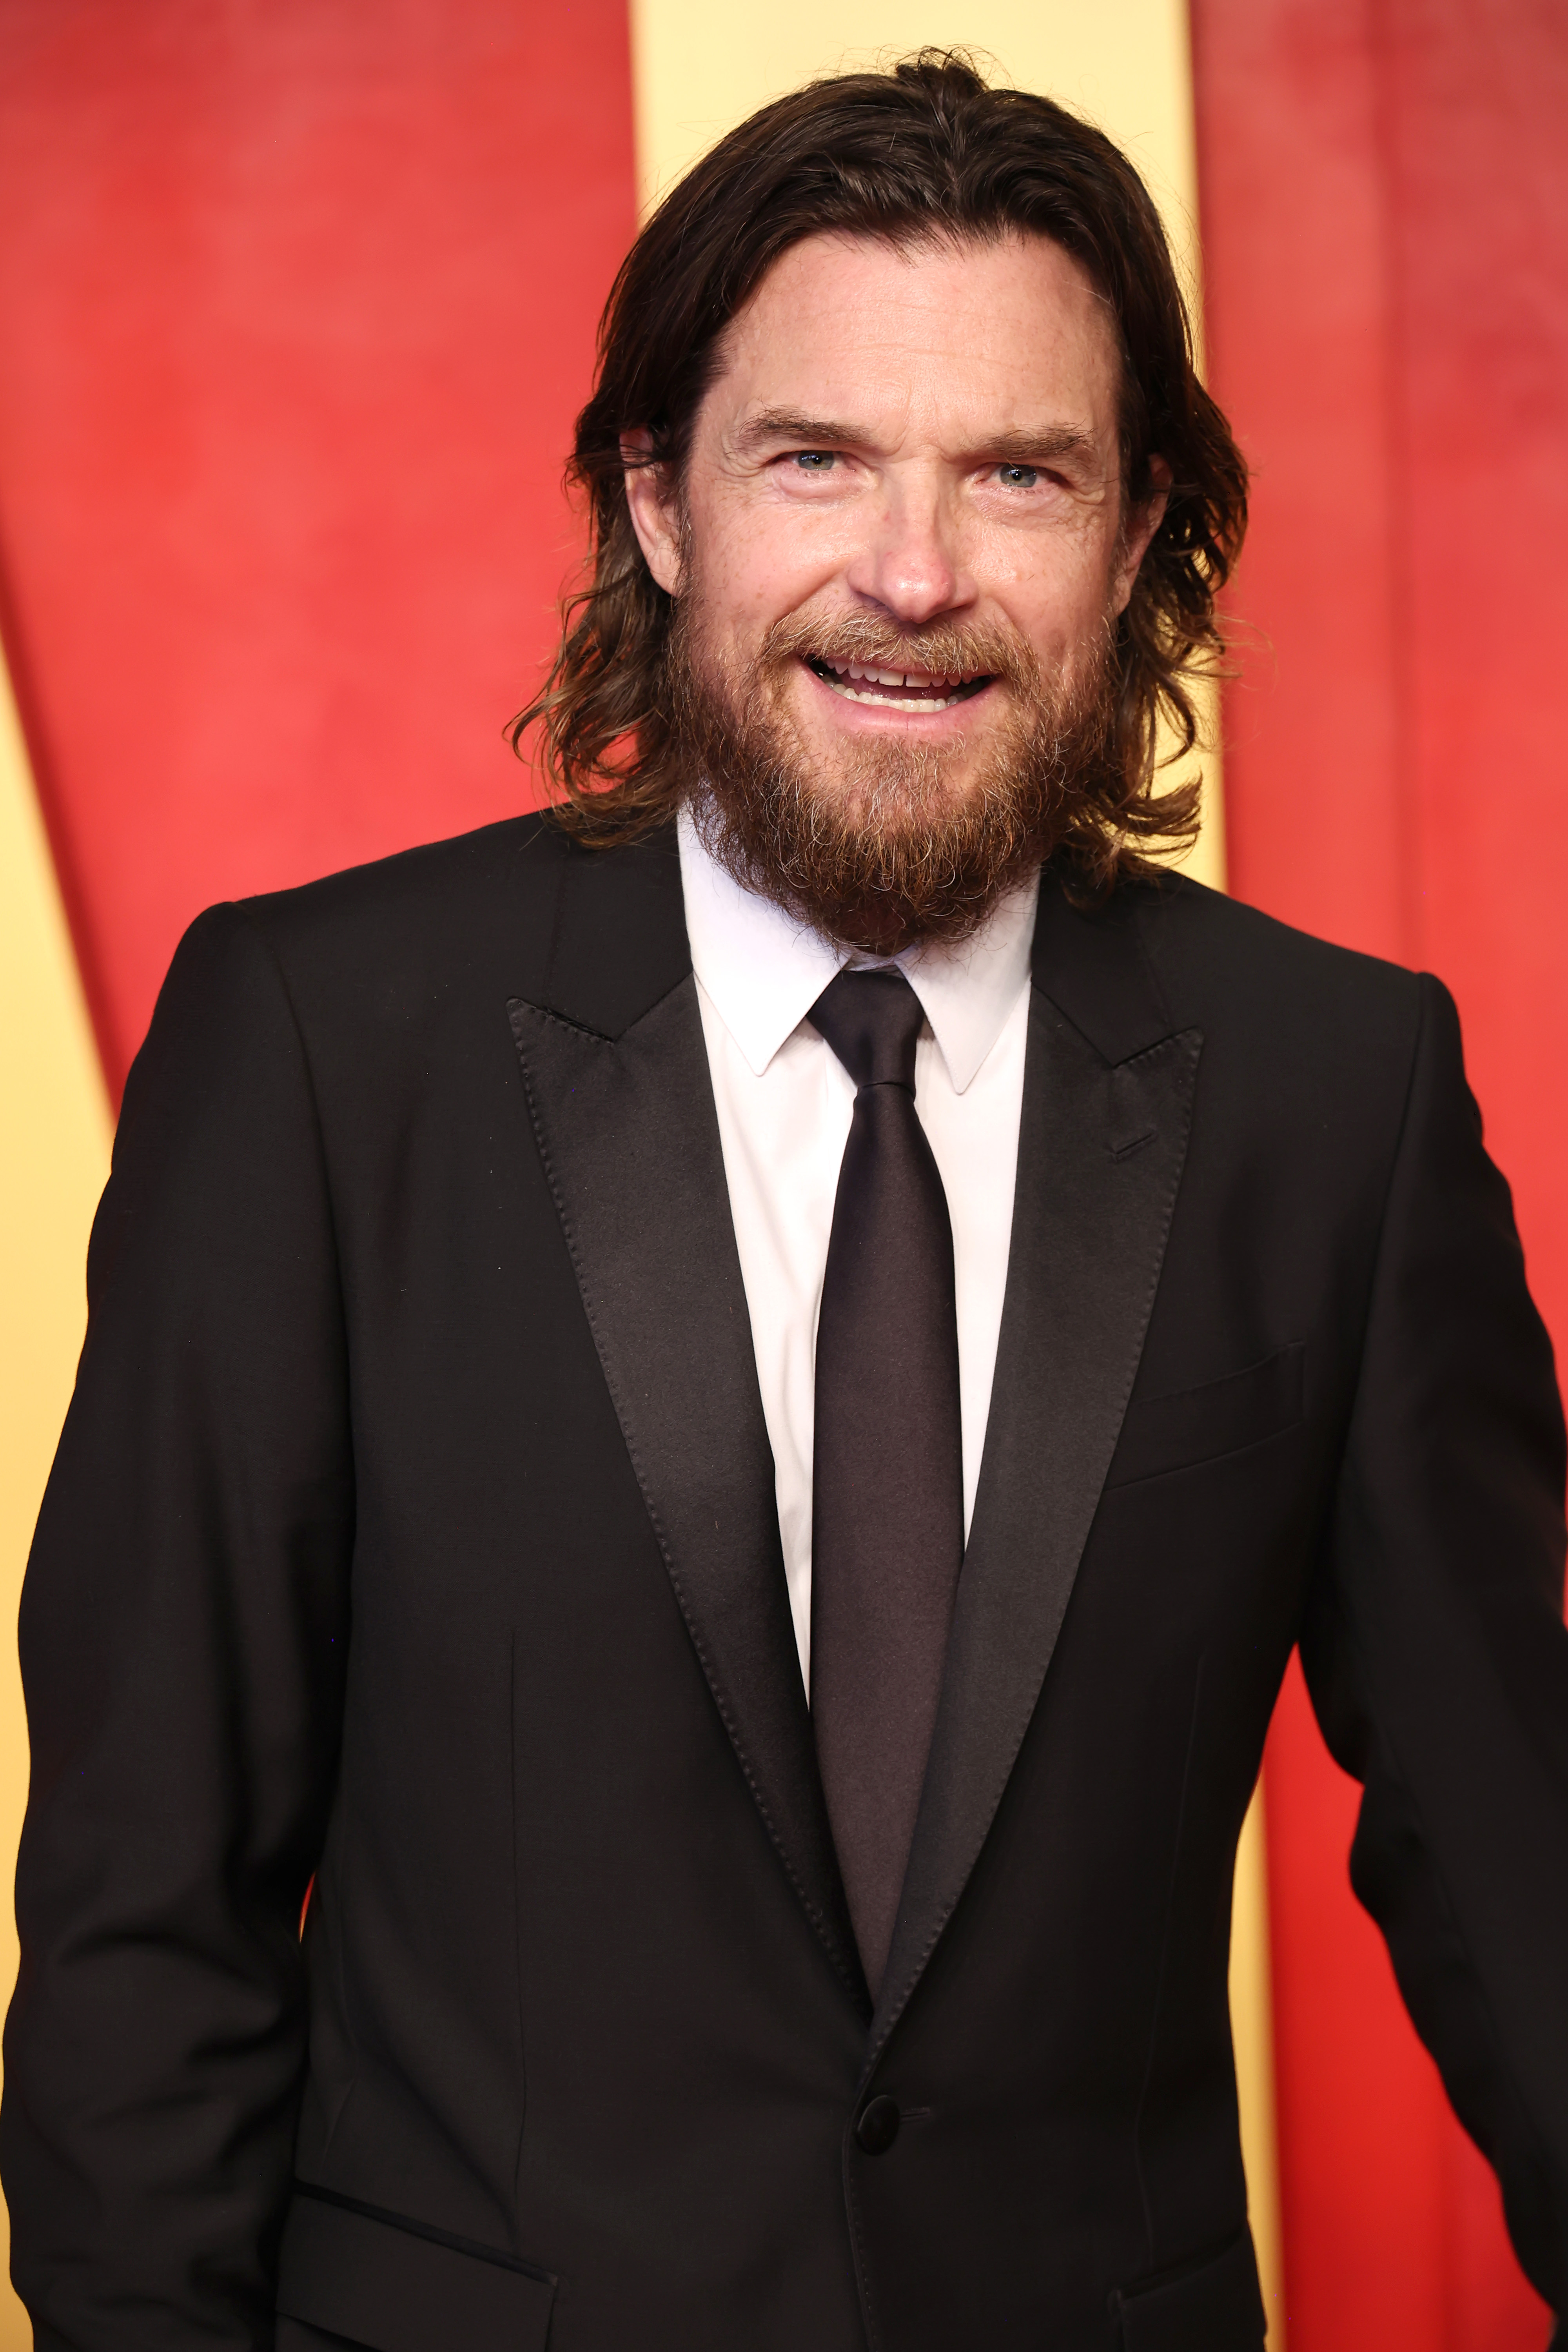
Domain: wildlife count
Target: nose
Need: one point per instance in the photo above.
(911, 564)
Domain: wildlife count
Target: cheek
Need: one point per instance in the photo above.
(1065, 630)
(765, 563)
(1056, 586)
(1123, 574)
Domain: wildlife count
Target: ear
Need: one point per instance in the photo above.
(1143, 521)
(652, 509)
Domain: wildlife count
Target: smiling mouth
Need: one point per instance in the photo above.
(898, 689)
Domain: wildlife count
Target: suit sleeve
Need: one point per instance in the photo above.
(1436, 1650)
(183, 1629)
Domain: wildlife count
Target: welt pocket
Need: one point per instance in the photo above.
(1209, 2305)
(395, 2286)
(1175, 1433)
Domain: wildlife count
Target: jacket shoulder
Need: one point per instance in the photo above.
(516, 908)
(1188, 924)
(1167, 954)
(438, 888)
(1227, 965)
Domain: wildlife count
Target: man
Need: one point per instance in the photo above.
(720, 1411)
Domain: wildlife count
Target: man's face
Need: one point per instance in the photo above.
(906, 466)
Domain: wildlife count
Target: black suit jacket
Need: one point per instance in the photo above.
(414, 1526)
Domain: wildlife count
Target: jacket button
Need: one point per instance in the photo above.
(878, 2125)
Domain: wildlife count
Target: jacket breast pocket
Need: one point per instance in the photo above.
(1209, 2307)
(1176, 1432)
(383, 2284)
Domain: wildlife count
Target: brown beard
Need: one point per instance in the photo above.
(886, 851)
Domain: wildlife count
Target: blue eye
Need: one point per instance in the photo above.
(1019, 477)
(813, 461)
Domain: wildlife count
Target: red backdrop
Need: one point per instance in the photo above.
(296, 305)
(1386, 228)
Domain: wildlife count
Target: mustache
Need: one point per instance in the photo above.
(944, 649)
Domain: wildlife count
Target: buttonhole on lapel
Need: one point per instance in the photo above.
(1134, 1143)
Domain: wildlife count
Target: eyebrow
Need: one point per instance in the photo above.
(1042, 445)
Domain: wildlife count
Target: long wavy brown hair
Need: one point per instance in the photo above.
(925, 151)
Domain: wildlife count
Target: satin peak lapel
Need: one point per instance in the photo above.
(1103, 1139)
(629, 1137)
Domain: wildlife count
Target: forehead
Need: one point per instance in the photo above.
(990, 336)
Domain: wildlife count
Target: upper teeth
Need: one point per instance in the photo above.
(920, 678)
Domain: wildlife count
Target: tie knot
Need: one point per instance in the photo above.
(872, 1021)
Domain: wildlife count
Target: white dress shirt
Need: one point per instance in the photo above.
(784, 1104)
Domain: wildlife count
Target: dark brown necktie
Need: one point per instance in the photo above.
(888, 1475)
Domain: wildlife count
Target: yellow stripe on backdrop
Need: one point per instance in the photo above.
(54, 1157)
(701, 67)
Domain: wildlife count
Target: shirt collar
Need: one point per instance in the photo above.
(763, 970)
